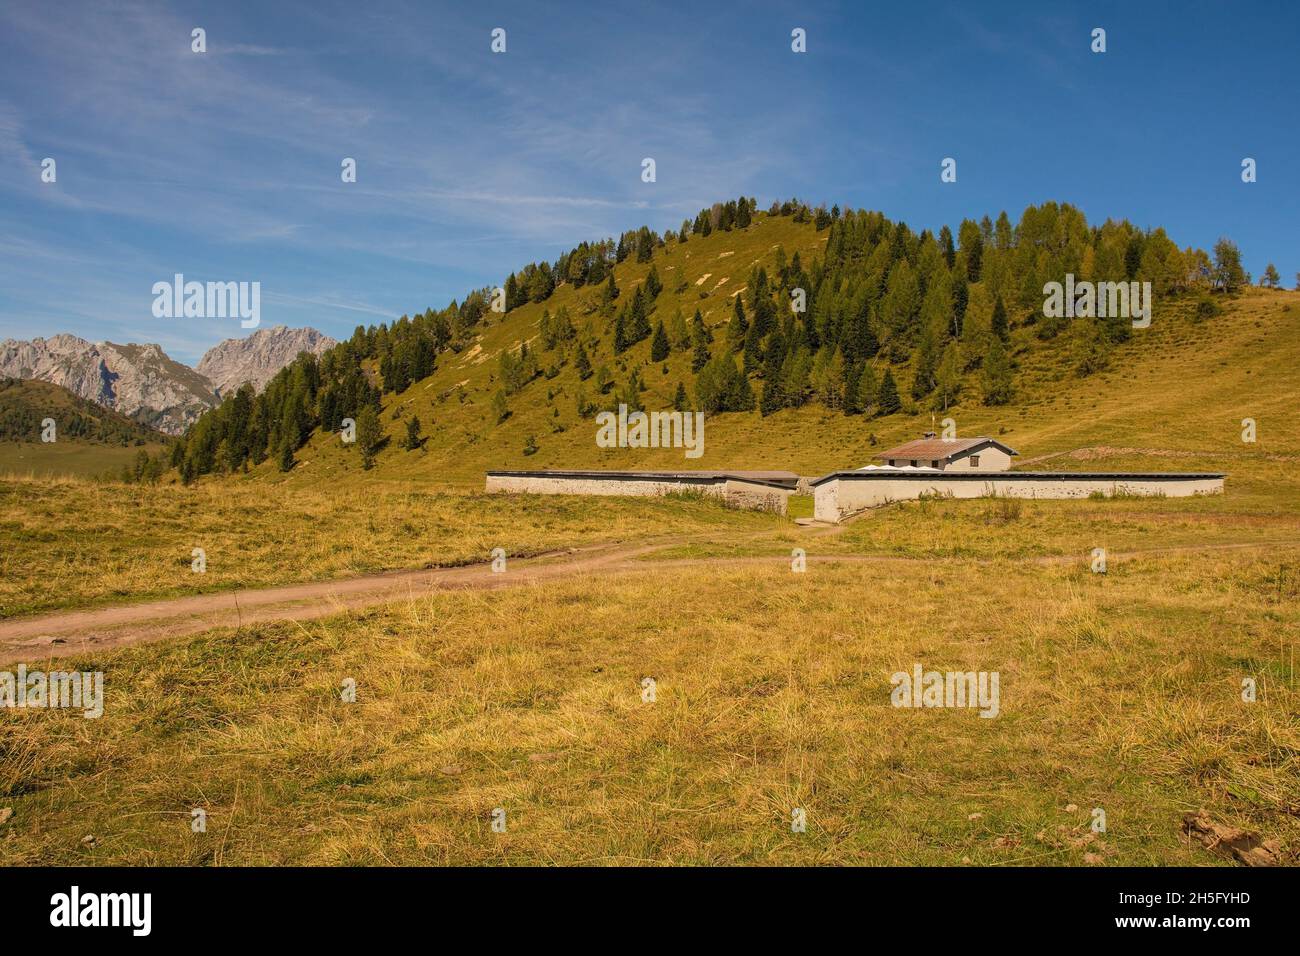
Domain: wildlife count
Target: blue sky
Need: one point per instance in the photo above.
(225, 166)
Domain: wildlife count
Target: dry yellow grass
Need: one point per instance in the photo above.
(1121, 692)
(70, 543)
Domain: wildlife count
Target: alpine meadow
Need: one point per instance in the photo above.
(590, 499)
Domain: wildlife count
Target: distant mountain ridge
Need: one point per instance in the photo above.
(145, 384)
(258, 357)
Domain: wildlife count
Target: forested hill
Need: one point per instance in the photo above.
(25, 404)
(707, 317)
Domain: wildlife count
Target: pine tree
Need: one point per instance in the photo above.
(644, 245)
(743, 214)
(638, 326)
(887, 401)
(995, 377)
(1271, 278)
(413, 440)
(622, 339)
(946, 246)
(659, 348)
(851, 402)
(1228, 273)
(500, 409)
(739, 393)
(680, 400)
(948, 378)
(611, 289)
(678, 331)
(1000, 327)
(286, 455)
(369, 435)
(773, 399)
(582, 364)
(960, 299)
(700, 342)
(868, 390)
(737, 327)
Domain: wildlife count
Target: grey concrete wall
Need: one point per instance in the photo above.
(836, 498)
(742, 494)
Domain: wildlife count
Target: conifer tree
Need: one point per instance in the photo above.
(868, 389)
(887, 401)
(743, 214)
(638, 323)
(500, 409)
(1228, 273)
(995, 377)
(413, 440)
(620, 332)
(644, 245)
(679, 334)
(773, 399)
(737, 327)
(945, 244)
(659, 348)
(680, 400)
(582, 364)
(740, 394)
(700, 343)
(960, 299)
(1001, 330)
(752, 357)
(369, 435)
(947, 378)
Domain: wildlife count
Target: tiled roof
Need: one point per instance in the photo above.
(940, 448)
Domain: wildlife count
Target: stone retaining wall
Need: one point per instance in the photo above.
(837, 496)
(742, 494)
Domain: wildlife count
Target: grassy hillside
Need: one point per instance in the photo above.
(91, 440)
(1187, 380)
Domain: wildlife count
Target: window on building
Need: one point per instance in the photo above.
(913, 462)
(934, 464)
(974, 461)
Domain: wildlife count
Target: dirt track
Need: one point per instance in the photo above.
(71, 632)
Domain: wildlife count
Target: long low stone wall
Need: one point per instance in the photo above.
(742, 494)
(844, 493)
